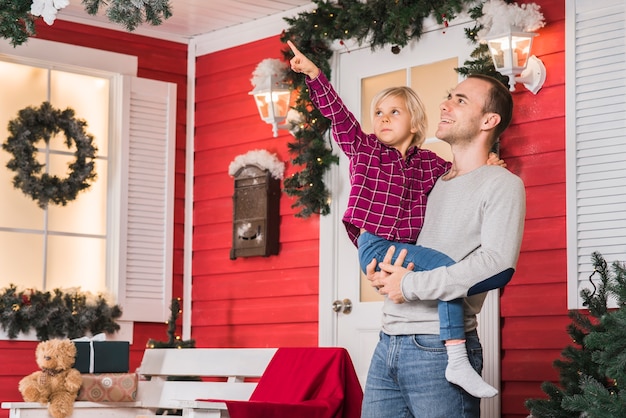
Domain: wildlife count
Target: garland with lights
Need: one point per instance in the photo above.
(379, 23)
(34, 124)
(17, 17)
(56, 314)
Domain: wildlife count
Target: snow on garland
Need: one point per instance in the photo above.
(48, 9)
(260, 158)
(498, 16)
(267, 70)
(17, 17)
(35, 124)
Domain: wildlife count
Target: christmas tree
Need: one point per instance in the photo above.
(173, 341)
(592, 369)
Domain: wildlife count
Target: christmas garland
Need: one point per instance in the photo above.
(131, 13)
(379, 23)
(56, 314)
(34, 124)
(17, 17)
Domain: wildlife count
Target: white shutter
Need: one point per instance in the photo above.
(596, 138)
(147, 201)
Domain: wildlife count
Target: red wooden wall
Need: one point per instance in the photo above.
(273, 301)
(158, 60)
(256, 301)
(534, 309)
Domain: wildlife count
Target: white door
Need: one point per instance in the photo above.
(356, 328)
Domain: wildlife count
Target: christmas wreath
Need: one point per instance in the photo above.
(34, 124)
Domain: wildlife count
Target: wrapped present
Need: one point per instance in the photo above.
(98, 356)
(108, 387)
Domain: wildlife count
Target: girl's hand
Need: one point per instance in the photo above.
(495, 160)
(301, 64)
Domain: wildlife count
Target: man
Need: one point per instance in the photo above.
(475, 214)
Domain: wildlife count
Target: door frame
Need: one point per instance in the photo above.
(329, 263)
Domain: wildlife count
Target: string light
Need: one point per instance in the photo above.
(174, 340)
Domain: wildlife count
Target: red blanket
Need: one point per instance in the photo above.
(315, 382)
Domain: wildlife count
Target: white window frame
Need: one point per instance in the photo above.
(141, 176)
(595, 138)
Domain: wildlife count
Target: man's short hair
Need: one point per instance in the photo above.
(499, 100)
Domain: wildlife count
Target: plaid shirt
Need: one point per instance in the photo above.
(388, 193)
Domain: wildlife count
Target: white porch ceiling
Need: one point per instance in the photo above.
(194, 18)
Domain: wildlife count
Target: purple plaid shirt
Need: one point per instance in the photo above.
(388, 194)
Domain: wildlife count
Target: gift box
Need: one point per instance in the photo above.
(102, 356)
(108, 387)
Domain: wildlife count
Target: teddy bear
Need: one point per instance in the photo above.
(57, 383)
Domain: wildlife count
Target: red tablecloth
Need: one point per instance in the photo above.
(314, 382)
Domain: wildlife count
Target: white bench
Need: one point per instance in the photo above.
(224, 371)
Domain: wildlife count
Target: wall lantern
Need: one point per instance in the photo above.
(510, 51)
(271, 94)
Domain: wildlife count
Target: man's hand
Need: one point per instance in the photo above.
(301, 64)
(388, 279)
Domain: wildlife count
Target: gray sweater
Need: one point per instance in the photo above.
(478, 220)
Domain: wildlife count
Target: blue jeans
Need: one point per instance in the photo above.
(451, 318)
(407, 379)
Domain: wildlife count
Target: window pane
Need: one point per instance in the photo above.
(87, 213)
(21, 86)
(17, 211)
(432, 82)
(24, 85)
(370, 86)
(89, 98)
(21, 260)
(76, 262)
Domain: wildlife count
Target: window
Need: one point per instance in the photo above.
(596, 128)
(116, 237)
(61, 246)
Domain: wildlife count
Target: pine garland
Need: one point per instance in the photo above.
(56, 314)
(379, 23)
(131, 13)
(17, 21)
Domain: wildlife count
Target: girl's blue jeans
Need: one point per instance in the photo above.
(451, 318)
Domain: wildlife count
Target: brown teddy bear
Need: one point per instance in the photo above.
(57, 383)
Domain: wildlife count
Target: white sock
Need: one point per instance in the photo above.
(460, 372)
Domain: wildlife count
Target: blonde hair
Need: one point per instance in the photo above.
(414, 105)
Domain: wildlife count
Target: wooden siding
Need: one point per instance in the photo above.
(256, 301)
(158, 60)
(533, 305)
(262, 302)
